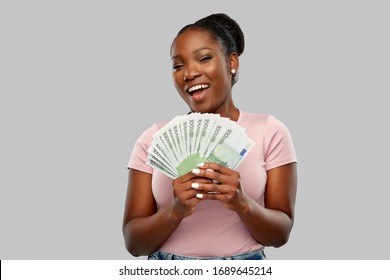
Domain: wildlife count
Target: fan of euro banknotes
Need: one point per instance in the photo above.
(188, 140)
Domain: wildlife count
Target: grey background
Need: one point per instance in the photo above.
(80, 80)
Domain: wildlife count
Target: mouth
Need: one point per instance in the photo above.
(197, 88)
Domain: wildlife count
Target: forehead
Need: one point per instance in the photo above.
(193, 39)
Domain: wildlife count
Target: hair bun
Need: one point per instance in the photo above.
(231, 26)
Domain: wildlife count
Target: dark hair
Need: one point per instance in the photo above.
(226, 32)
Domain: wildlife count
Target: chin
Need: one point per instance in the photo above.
(201, 109)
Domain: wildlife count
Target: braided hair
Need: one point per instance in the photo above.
(226, 32)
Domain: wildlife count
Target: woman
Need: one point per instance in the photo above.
(253, 206)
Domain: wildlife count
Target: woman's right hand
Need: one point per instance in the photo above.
(184, 195)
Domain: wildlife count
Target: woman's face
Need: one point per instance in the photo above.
(201, 72)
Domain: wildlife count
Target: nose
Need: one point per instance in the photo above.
(191, 72)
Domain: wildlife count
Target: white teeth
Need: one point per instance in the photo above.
(196, 87)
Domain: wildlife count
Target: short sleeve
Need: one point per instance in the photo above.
(278, 144)
(139, 154)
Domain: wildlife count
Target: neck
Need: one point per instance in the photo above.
(231, 113)
(229, 110)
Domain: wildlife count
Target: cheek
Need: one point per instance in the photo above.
(176, 81)
(213, 70)
(216, 71)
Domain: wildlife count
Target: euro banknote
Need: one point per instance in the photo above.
(188, 140)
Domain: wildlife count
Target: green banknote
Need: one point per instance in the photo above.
(188, 140)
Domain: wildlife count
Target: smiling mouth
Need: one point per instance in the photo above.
(196, 88)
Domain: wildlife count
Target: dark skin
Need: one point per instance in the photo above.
(198, 60)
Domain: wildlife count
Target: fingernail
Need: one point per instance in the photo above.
(199, 195)
(216, 182)
(195, 185)
(201, 164)
(196, 171)
(208, 169)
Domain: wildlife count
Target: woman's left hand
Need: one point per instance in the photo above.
(225, 186)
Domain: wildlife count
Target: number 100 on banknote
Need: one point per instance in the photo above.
(188, 140)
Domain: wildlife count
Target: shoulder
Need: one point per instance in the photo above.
(274, 139)
(147, 134)
(139, 153)
(265, 128)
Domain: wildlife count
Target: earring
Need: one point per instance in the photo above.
(233, 71)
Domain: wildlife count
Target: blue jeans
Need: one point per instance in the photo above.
(254, 255)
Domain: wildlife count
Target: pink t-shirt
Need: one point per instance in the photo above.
(212, 230)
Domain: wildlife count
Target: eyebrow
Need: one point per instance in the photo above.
(195, 51)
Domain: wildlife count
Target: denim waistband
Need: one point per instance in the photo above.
(253, 255)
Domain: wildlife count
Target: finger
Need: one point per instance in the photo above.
(186, 194)
(216, 167)
(201, 180)
(208, 180)
(180, 186)
(211, 187)
(190, 176)
(186, 177)
(220, 174)
(215, 177)
(211, 196)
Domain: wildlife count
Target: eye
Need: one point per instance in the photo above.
(205, 58)
(177, 66)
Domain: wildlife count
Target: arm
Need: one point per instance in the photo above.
(270, 225)
(145, 229)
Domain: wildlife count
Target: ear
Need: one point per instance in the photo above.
(234, 61)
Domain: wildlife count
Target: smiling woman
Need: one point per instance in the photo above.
(206, 53)
(253, 207)
(198, 63)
